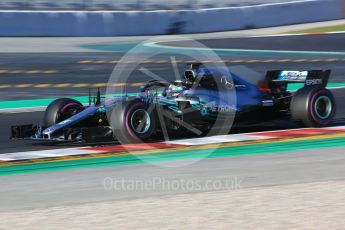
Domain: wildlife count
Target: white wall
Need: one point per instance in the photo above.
(114, 23)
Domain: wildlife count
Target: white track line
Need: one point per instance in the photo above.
(43, 154)
(243, 137)
(297, 34)
(217, 139)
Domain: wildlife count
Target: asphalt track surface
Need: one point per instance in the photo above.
(40, 75)
(86, 185)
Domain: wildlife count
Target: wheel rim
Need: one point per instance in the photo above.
(140, 121)
(67, 111)
(323, 107)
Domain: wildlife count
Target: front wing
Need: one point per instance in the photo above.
(82, 134)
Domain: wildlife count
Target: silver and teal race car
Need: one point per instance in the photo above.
(206, 101)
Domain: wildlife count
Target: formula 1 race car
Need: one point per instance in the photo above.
(196, 104)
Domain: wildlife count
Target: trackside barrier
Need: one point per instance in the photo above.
(123, 23)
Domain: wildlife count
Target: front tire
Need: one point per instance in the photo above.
(60, 110)
(313, 106)
(133, 122)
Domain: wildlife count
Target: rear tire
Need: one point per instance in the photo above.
(313, 106)
(132, 122)
(60, 110)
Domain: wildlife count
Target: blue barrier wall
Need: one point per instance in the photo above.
(122, 23)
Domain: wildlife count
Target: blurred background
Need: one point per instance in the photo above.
(125, 4)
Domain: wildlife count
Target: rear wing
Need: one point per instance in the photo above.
(309, 78)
